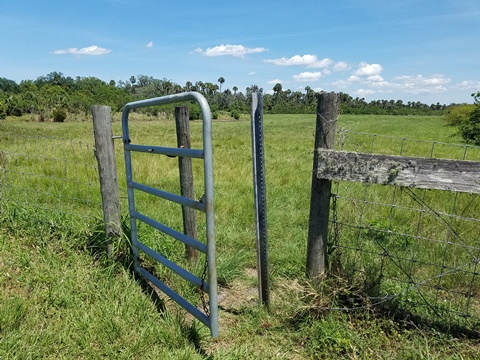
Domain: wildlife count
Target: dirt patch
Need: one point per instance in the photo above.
(240, 294)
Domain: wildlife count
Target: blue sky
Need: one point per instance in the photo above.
(414, 50)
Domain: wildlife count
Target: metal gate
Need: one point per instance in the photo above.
(209, 318)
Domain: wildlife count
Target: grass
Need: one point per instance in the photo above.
(61, 298)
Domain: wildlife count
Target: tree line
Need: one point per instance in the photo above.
(54, 95)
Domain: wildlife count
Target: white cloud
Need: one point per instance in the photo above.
(363, 92)
(420, 84)
(150, 45)
(365, 69)
(231, 50)
(251, 73)
(341, 83)
(307, 76)
(375, 78)
(375, 83)
(309, 61)
(341, 66)
(90, 50)
(354, 78)
(296, 60)
(275, 81)
(324, 63)
(468, 85)
(382, 84)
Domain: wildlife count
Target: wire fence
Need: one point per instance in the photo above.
(49, 175)
(414, 252)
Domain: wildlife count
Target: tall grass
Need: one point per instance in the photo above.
(68, 303)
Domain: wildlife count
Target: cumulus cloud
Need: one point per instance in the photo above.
(90, 50)
(150, 45)
(251, 73)
(354, 78)
(382, 84)
(231, 50)
(341, 66)
(468, 85)
(275, 81)
(307, 76)
(365, 69)
(420, 84)
(368, 78)
(375, 78)
(309, 61)
(341, 83)
(364, 92)
(324, 63)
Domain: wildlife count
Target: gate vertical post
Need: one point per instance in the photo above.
(186, 178)
(327, 113)
(258, 156)
(107, 172)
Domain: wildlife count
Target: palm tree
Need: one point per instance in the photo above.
(277, 89)
(235, 89)
(221, 80)
(188, 86)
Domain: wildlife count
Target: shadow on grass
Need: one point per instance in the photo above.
(121, 255)
(339, 295)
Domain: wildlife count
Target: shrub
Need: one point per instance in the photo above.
(235, 114)
(470, 128)
(459, 114)
(59, 115)
(195, 113)
(3, 110)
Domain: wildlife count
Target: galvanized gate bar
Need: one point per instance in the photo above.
(193, 153)
(174, 267)
(182, 200)
(169, 231)
(206, 205)
(178, 299)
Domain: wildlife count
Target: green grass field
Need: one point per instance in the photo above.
(61, 297)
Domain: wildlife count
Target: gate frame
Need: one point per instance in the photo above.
(206, 204)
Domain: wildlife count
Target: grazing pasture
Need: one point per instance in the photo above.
(61, 297)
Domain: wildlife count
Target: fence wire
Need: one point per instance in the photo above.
(49, 175)
(413, 251)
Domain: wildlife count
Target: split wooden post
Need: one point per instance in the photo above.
(107, 172)
(186, 178)
(327, 113)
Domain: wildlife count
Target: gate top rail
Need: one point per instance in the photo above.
(191, 95)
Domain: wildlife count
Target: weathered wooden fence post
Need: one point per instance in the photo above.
(107, 171)
(186, 177)
(327, 113)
